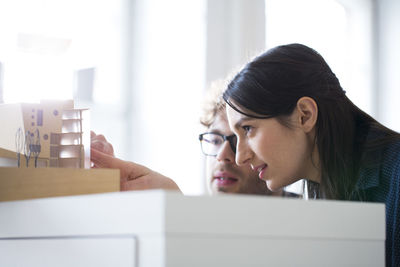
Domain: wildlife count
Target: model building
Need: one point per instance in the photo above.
(45, 134)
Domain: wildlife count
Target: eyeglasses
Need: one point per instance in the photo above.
(211, 143)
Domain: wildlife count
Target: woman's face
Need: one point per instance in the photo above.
(281, 155)
(223, 175)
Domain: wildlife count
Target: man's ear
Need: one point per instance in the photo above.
(308, 113)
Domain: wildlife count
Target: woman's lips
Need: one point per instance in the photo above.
(261, 170)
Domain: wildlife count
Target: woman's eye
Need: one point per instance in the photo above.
(246, 128)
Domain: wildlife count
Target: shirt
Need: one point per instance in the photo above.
(382, 184)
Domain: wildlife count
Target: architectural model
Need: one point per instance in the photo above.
(45, 134)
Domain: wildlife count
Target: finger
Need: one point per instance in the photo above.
(94, 136)
(137, 184)
(150, 180)
(97, 145)
(101, 138)
(128, 170)
(103, 160)
(106, 148)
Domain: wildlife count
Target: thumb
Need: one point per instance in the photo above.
(102, 160)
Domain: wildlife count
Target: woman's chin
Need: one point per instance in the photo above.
(273, 186)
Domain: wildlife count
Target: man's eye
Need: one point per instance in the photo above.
(215, 141)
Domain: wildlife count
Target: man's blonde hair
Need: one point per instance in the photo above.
(213, 103)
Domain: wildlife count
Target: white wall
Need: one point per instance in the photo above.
(388, 62)
(166, 63)
(235, 33)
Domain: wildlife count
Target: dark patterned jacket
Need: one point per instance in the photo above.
(382, 184)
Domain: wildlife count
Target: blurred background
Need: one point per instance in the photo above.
(142, 66)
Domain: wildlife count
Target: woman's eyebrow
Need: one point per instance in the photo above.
(241, 121)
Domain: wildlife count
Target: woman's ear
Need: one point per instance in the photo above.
(308, 113)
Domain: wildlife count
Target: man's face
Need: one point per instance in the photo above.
(223, 175)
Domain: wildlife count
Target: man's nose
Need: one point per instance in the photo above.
(225, 153)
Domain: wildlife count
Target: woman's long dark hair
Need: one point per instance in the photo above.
(271, 85)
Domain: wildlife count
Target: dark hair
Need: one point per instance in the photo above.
(271, 85)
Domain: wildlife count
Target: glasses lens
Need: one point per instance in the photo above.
(211, 143)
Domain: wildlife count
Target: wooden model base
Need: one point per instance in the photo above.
(27, 183)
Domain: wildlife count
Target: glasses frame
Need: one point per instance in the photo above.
(229, 138)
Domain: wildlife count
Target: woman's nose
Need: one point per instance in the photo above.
(243, 154)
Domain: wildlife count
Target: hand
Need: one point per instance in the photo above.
(133, 176)
(99, 143)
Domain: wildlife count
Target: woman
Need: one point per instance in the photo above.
(293, 121)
